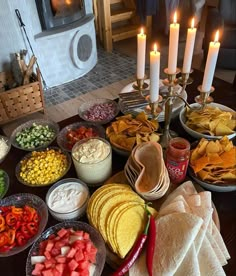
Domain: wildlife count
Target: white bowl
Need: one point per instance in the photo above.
(199, 135)
(8, 143)
(211, 186)
(67, 205)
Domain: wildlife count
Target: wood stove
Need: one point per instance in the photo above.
(57, 13)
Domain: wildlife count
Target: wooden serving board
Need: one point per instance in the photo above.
(112, 259)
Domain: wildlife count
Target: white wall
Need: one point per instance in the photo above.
(13, 39)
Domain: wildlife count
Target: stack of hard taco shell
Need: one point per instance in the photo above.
(146, 171)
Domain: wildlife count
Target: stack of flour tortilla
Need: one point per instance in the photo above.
(188, 242)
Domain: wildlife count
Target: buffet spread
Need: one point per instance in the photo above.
(146, 220)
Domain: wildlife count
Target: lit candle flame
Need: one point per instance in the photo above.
(217, 36)
(142, 32)
(175, 18)
(155, 47)
(192, 24)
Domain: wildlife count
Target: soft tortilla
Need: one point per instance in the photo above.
(173, 245)
(207, 260)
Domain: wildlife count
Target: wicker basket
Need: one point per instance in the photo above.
(20, 101)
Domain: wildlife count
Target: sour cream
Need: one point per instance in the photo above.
(92, 159)
(67, 201)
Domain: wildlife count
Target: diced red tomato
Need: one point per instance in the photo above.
(62, 232)
(79, 256)
(84, 272)
(86, 236)
(60, 259)
(56, 272)
(79, 244)
(74, 273)
(71, 253)
(60, 267)
(83, 264)
(48, 272)
(47, 254)
(73, 265)
(37, 269)
(55, 251)
(49, 245)
(49, 263)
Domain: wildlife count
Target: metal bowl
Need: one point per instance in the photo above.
(52, 125)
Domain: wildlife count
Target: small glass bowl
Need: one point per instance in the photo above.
(94, 235)
(8, 142)
(52, 125)
(89, 105)
(62, 140)
(76, 212)
(99, 168)
(27, 156)
(38, 204)
(6, 184)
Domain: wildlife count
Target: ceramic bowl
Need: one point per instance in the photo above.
(8, 143)
(214, 187)
(100, 111)
(4, 183)
(52, 125)
(69, 193)
(20, 200)
(29, 155)
(196, 134)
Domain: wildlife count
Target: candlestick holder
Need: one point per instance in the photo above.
(204, 97)
(185, 79)
(170, 82)
(140, 84)
(154, 108)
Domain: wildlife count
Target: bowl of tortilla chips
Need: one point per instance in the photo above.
(211, 122)
(127, 131)
(212, 164)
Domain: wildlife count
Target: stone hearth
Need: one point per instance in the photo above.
(63, 54)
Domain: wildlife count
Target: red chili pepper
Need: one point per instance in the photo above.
(11, 233)
(2, 223)
(151, 241)
(20, 239)
(3, 239)
(25, 231)
(135, 252)
(11, 219)
(32, 227)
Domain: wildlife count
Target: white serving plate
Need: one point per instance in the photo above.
(199, 135)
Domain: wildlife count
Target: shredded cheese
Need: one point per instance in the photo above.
(3, 148)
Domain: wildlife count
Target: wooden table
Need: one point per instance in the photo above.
(225, 203)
